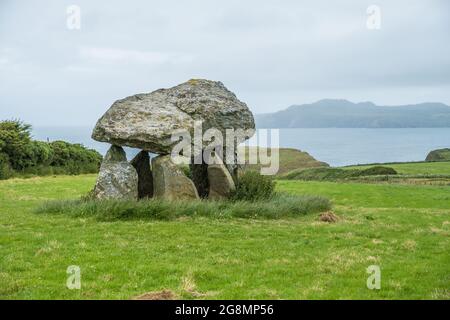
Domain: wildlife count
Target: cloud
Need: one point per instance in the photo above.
(271, 54)
(117, 55)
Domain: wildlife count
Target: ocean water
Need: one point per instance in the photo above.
(336, 146)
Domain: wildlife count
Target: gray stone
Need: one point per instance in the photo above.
(170, 182)
(141, 162)
(221, 182)
(147, 120)
(117, 178)
(199, 174)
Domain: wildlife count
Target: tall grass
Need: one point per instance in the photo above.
(279, 206)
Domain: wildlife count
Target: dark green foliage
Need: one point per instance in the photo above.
(75, 157)
(335, 174)
(279, 206)
(376, 171)
(5, 168)
(15, 143)
(253, 186)
(20, 155)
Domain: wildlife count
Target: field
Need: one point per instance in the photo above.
(414, 168)
(403, 229)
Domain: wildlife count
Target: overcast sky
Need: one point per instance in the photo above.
(272, 54)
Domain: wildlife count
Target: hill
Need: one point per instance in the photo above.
(439, 155)
(290, 159)
(331, 113)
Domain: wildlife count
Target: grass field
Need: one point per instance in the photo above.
(414, 168)
(402, 228)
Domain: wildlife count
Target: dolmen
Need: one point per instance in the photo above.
(148, 122)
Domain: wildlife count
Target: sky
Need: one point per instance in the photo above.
(272, 54)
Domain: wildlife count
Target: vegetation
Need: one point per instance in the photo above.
(280, 206)
(21, 156)
(439, 155)
(336, 174)
(402, 228)
(412, 168)
(253, 186)
(289, 159)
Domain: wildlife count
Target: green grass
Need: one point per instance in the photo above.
(358, 195)
(403, 229)
(279, 206)
(414, 168)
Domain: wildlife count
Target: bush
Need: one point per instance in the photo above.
(5, 168)
(19, 154)
(15, 143)
(73, 155)
(336, 174)
(279, 206)
(253, 186)
(378, 171)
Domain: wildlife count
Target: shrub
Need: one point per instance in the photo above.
(5, 168)
(73, 155)
(378, 171)
(253, 186)
(15, 142)
(19, 154)
(336, 174)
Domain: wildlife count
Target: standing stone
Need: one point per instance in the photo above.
(117, 178)
(170, 182)
(221, 182)
(141, 162)
(199, 174)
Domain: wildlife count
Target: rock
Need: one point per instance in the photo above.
(199, 174)
(221, 183)
(328, 217)
(141, 162)
(170, 182)
(147, 120)
(439, 155)
(117, 178)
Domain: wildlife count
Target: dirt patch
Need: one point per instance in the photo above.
(328, 217)
(157, 295)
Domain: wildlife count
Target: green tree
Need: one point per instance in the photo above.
(15, 141)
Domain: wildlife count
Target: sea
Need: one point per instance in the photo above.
(335, 146)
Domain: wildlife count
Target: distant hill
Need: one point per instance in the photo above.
(439, 155)
(290, 159)
(331, 113)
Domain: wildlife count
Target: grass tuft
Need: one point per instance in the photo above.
(279, 206)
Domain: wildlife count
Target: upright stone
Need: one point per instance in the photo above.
(141, 162)
(117, 178)
(221, 183)
(170, 182)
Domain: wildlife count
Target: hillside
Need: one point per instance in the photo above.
(331, 113)
(290, 159)
(439, 155)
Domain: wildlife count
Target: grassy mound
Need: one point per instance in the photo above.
(439, 155)
(290, 159)
(279, 206)
(336, 174)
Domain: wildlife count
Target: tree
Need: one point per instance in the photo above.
(15, 138)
